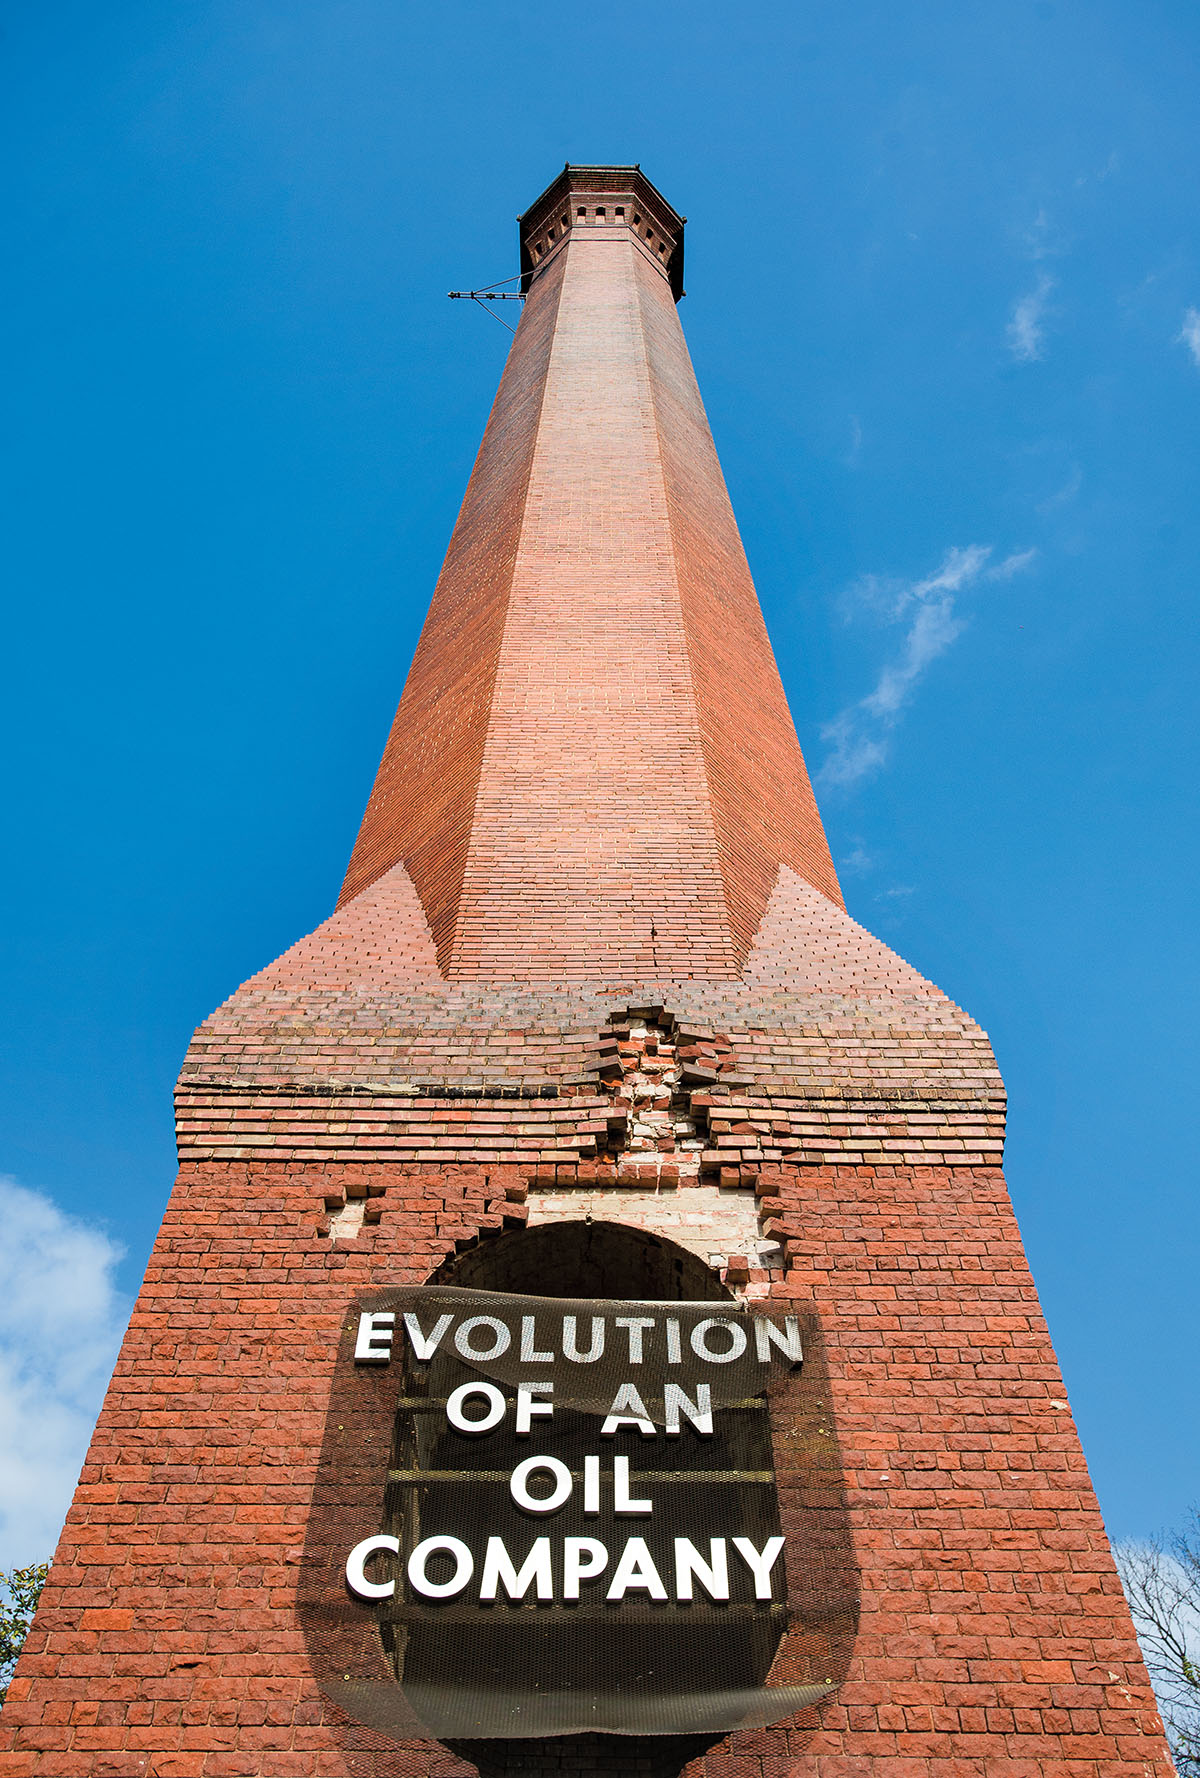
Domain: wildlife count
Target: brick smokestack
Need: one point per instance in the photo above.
(593, 772)
(590, 1022)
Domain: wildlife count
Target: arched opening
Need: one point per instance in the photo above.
(680, 1666)
(585, 1259)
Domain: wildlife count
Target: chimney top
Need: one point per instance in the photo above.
(603, 197)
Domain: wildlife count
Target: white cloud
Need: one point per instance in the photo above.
(857, 862)
(859, 737)
(1026, 331)
(853, 754)
(1014, 564)
(1189, 335)
(61, 1321)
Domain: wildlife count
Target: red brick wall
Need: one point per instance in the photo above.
(763, 805)
(994, 1636)
(594, 704)
(593, 776)
(420, 808)
(351, 1046)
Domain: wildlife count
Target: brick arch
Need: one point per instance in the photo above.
(585, 1258)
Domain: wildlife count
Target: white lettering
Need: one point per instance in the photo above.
(622, 1505)
(374, 1342)
(635, 1572)
(634, 1325)
(528, 1409)
(591, 1487)
(463, 1570)
(713, 1575)
(528, 1354)
(575, 1549)
(584, 1558)
(356, 1563)
(628, 1409)
(501, 1338)
(760, 1566)
(698, 1412)
(518, 1485)
(787, 1338)
(737, 1339)
(571, 1350)
(492, 1414)
(498, 1567)
(674, 1348)
(426, 1345)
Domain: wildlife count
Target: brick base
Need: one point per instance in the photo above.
(994, 1637)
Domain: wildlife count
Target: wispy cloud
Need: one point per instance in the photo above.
(1039, 239)
(1063, 496)
(1189, 335)
(858, 739)
(857, 862)
(1016, 563)
(61, 1320)
(1026, 331)
(1112, 165)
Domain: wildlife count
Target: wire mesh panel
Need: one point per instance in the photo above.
(542, 1516)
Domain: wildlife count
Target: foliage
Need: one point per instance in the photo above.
(1162, 1584)
(23, 1588)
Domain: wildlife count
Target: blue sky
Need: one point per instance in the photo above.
(944, 303)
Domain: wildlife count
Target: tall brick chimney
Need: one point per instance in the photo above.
(590, 1020)
(594, 740)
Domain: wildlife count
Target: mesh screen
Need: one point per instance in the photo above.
(632, 1654)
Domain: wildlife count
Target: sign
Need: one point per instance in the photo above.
(576, 1525)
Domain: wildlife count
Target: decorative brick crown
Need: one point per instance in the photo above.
(603, 198)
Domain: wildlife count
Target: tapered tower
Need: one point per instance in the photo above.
(589, 1041)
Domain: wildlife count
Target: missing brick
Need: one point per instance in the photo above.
(344, 1224)
(348, 1212)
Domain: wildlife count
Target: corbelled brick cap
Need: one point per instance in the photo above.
(593, 773)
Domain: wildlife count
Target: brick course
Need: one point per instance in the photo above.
(593, 742)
